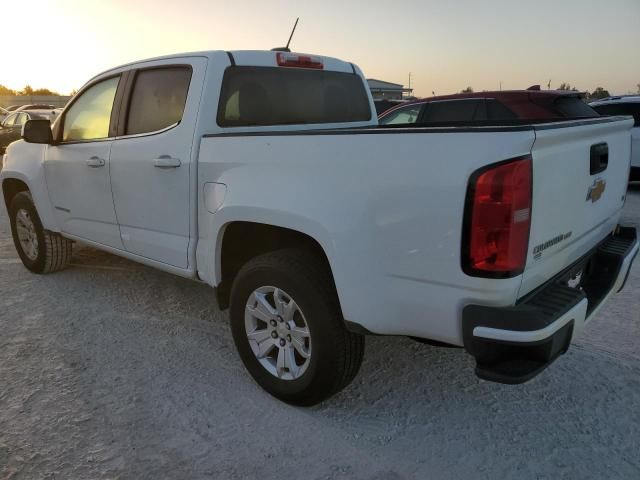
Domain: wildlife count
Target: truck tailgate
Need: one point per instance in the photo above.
(580, 175)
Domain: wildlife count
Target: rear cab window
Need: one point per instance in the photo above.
(268, 96)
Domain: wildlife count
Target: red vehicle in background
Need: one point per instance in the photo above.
(502, 106)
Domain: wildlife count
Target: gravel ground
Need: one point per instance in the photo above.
(113, 370)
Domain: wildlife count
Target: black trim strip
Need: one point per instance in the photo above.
(353, 68)
(372, 130)
(231, 59)
(578, 123)
(518, 126)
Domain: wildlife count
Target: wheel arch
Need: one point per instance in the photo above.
(14, 183)
(241, 240)
(11, 187)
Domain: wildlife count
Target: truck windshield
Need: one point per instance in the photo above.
(260, 96)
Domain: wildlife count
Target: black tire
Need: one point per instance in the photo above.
(53, 252)
(336, 355)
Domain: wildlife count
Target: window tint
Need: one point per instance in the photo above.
(497, 111)
(408, 114)
(89, 116)
(158, 99)
(256, 96)
(621, 109)
(451, 111)
(574, 107)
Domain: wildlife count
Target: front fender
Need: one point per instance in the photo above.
(24, 162)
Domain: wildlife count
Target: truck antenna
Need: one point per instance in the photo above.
(286, 49)
(292, 32)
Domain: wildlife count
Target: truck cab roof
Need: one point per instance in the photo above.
(258, 58)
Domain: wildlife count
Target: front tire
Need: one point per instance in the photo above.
(288, 328)
(41, 251)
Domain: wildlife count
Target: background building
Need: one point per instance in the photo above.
(381, 90)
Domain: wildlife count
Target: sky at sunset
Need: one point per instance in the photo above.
(446, 45)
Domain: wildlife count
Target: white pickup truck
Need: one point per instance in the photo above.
(266, 176)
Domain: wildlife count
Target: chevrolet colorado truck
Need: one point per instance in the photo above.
(265, 175)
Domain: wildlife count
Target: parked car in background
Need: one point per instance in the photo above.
(11, 127)
(41, 110)
(36, 106)
(12, 108)
(3, 113)
(625, 105)
(501, 106)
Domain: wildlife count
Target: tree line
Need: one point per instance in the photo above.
(27, 91)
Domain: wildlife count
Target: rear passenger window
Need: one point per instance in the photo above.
(451, 111)
(402, 115)
(10, 121)
(497, 111)
(158, 99)
(574, 107)
(21, 119)
(621, 109)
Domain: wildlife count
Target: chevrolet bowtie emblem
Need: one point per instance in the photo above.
(596, 190)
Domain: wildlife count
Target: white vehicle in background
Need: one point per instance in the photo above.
(625, 105)
(50, 112)
(3, 113)
(265, 175)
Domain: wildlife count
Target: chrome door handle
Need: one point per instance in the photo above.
(166, 161)
(95, 162)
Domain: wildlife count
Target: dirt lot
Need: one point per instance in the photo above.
(113, 370)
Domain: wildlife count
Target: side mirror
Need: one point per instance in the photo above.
(37, 131)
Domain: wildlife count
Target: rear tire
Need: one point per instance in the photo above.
(330, 356)
(41, 251)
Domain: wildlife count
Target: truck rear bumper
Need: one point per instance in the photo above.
(514, 344)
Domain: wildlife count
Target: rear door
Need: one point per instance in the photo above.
(580, 172)
(151, 160)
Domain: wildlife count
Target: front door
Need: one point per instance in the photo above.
(151, 161)
(77, 168)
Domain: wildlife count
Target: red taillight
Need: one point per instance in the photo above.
(299, 61)
(497, 220)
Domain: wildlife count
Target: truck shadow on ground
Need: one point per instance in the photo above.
(405, 390)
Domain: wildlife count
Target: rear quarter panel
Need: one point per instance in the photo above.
(387, 209)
